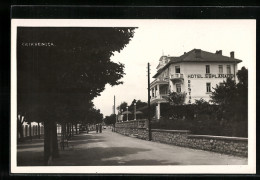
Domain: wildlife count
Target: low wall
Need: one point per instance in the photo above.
(176, 137)
(221, 144)
(132, 127)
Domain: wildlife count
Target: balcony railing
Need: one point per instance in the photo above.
(159, 96)
(177, 76)
(163, 80)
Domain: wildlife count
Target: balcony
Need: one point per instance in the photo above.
(177, 78)
(159, 98)
(160, 81)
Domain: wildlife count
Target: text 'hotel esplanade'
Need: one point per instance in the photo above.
(195, 73)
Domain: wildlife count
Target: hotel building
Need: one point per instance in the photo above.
(194, 73)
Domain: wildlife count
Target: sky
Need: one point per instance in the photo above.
(155, 38)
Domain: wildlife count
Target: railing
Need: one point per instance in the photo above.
(175, 76)
(159, 96)
(160, 79)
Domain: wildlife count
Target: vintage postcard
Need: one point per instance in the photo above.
(133, 96)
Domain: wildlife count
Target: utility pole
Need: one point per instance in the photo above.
(149, 97)
(114, 110)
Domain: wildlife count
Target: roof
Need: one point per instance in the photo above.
(191, 56)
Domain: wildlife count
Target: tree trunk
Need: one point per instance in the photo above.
(39, 131)
(20, 130)
(63, 132)
(50, 142)
(72, 129)
(47, 146)
(30, 130)
(67, 128)
(55, 152)
(76, 128)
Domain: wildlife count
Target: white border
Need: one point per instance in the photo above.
(209, 169)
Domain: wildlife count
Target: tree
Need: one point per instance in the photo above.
(122, 106)
(201, 107)
(94, 116)
(140, 106)
(110, 119)
(242, 91)
(69, 72)
(242, 76)
(231, 99)
(224, 94)
(176, 98)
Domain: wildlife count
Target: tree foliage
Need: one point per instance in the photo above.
(140, 106)
(58, 82)
(224, 94)
(70, 73)
(110, 119)
(176, 98)
(232, 98)
(93, 116)
(122, 106)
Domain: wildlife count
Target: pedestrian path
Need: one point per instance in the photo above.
(110, 148)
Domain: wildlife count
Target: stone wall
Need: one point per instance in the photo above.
(226, 145)
(136, 128)
(221, 144)
(176, 137)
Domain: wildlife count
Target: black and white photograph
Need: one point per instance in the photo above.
(133, 96)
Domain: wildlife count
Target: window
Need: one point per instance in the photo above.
(177, 69)
(178, 88)
(220, 68)
(228, 69)
(207, 69)
(208, 87)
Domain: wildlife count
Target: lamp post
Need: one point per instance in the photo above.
(127, 113)
(135, 111)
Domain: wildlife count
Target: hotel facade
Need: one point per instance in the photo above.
(194, 73)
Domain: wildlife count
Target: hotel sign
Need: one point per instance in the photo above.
(211, 76)
(189, 92)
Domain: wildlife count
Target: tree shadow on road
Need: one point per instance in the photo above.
(105, 156)
(30, 159)
(139, 162)
(81, 153)
(38, 145)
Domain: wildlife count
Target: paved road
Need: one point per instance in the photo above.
(109, 148)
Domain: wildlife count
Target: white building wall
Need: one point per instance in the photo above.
(198, 83)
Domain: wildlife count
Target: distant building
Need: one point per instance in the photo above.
(194, 73)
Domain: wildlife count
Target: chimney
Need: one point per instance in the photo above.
(219, 52)
(198, 53)
(232, 54)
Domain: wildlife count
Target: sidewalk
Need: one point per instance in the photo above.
(109, 148)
